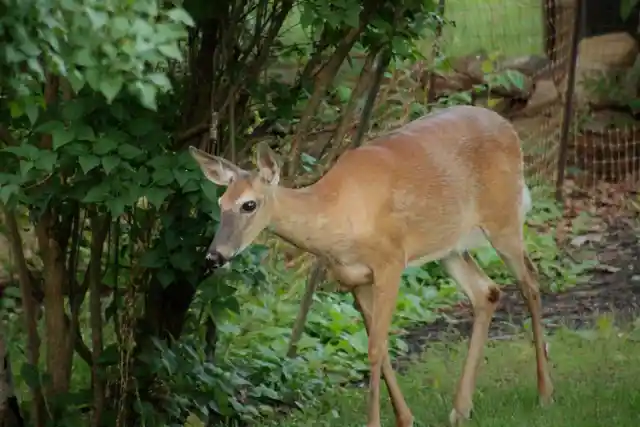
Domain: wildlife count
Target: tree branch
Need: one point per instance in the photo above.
(95, 280)
(335, 143)
(323, 79)
(29, 310)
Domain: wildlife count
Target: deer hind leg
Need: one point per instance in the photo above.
(364, 303)
(484, 295)
(510, 245)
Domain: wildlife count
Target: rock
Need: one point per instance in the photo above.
(614, 50)
(521, 90)
(529, 65)
(603, 75)
(544, 94)
(602, 121)
(470, 65)
(449, 83)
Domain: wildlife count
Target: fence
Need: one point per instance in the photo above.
(578, 125)
(573, 105)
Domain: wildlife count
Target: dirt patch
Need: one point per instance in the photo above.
(614, 287)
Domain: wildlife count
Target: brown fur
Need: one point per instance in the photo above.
(427, 191)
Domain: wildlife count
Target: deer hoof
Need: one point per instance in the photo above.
(458, 418)
(546, 400)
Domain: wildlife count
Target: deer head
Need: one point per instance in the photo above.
(245, 206)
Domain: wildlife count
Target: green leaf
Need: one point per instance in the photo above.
(166, 277)
(110, 356)
(148, 95)
(62, 136)
(25, 167)
(6, 191)
(88, 162)
(160, 80)
(181, 261)
(626, 7)
(98, 19)
(104, 146)
(171, 51)
(486, 66)
(119, 26)
(85, 57)
(111, 86)
(128, 151)
(109, 163)
(210, 190)
(23, 150)
(46, 160)
(50, 127)
(142, 126)
(32, 111)
(30, 375)
(182, 177)
(76, 80)
(93, 77)
(98, 193)
(15, 110)
(180, 15)
(151, 259)
(157, 195)
(85, 133)
(162, 176)
(116, 206)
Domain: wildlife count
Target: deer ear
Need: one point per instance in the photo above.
(267, 161)
(216, 169)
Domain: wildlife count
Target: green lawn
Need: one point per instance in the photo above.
(509, 27)
(596, 380)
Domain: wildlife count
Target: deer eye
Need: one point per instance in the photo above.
(248, 207)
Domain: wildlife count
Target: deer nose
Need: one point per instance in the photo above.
(215, 259)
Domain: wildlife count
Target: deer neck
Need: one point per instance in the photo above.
(299, 217)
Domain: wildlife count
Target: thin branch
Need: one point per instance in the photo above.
(6, 136)
(365, 118)
(95, 280)
(323, 79)
(335, 144)
(29, 311)
(316, 276)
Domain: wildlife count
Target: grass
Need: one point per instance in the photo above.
(508, 27)
(595, 376)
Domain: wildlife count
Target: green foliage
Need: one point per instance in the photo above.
(129, 41)
(626, 7)
(95, 99)
(597, 364)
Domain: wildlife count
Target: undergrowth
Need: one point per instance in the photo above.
(594, 373)
(250, 360)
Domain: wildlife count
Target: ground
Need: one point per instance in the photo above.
(595, 380)
(594, 350)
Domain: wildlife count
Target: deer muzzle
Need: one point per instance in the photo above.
(226, 242)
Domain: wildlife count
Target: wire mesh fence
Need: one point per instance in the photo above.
(531, 38)
(534, 38)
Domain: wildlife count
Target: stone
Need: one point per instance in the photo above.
(614, 50)
(529, 65)
(604, 63)
(544, 94)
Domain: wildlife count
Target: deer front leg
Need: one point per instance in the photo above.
(364, 303)
(385, 292)
(484, 295)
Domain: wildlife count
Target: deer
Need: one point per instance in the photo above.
(431, 190)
